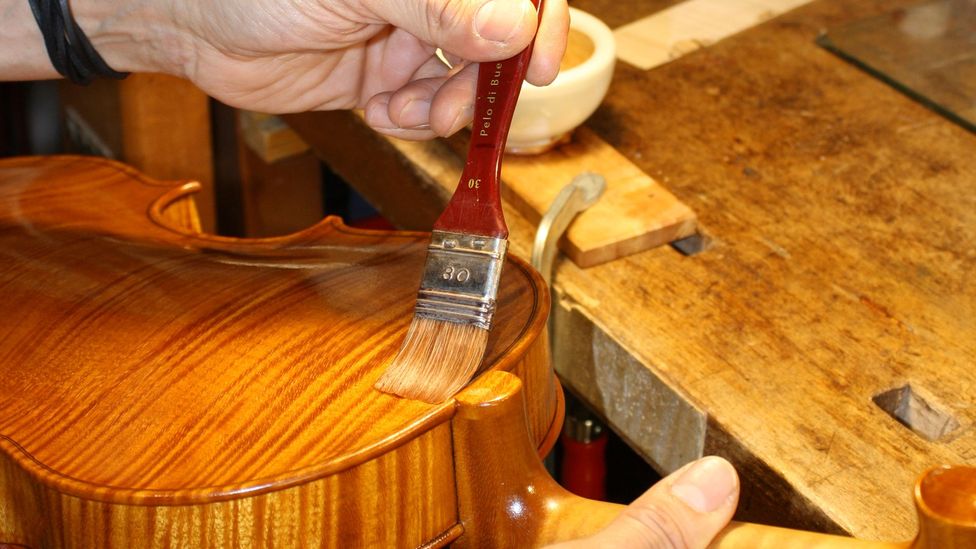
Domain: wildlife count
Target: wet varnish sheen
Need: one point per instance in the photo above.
(164, 388)
(159, 386)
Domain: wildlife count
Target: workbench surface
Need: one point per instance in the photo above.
(842, 225)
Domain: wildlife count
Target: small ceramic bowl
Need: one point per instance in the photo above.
(545, 116)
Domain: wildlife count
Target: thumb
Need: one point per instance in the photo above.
(683, 511)
(476, 30)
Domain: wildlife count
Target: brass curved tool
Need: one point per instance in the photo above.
(578, 195)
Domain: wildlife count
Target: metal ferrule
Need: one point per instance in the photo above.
(461, 277)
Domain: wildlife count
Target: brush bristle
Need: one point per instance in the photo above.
(436, 360)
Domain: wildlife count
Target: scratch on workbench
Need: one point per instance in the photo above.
(829, 475)
(872, 305)
(918, 125)
(844, 292)
(830, 445)
(878, 309)
(776, 248)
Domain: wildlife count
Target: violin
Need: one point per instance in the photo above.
(163, 387)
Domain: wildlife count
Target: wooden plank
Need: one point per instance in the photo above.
(635, 213)
(652, 413)
(840, 269)
(686, 27)
(280, 177)
(166, 134)
(269, 137)
(280, 197)
(388, 184)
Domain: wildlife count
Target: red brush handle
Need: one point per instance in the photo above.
(476, 207)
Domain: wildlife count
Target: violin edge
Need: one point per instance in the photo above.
(508, 360)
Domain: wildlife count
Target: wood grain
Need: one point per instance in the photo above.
(411, 489)
(269, 137)
(109, 440)
(404, 194)
(683, 28)
(839, 270)
(531, 510)
(635, 212)
(280, 197)
(161, 384)
(158, 123)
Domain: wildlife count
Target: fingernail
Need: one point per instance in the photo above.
(707, 485)
(377, 120)
(461, 120)
(414, 113)
(500, 20)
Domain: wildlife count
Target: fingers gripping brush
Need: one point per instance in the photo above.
(449, 332)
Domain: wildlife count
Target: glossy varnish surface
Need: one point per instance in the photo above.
(842, 218)
(403, 498)
(268, 449)
(146, 364)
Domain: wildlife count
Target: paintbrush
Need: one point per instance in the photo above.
(447, 337)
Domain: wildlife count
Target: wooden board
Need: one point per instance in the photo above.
(685, 27)
(840, 269)
(269, 137)
(635, 213)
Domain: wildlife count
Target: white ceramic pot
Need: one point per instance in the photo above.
(546, 115)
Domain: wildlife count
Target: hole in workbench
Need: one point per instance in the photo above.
(692, 245)
(911, 410)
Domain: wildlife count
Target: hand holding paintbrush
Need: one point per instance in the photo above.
(449, 332)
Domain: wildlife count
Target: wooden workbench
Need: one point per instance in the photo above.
(842, 218)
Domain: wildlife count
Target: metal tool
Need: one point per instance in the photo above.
(578, 195)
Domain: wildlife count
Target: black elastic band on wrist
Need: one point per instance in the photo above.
(71, 53)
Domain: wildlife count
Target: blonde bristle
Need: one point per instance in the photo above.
(436, 360)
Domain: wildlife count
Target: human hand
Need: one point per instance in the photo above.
(685, 510)
(290, 56)
(275, 56)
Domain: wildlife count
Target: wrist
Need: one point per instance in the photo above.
(134, 36)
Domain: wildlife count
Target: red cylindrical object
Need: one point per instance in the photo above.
(584, 466)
